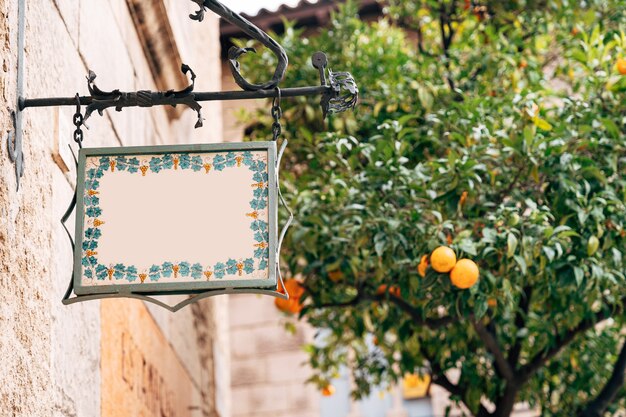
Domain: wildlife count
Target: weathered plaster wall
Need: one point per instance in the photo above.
(50, 354)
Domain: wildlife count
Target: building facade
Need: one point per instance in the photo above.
(114, 357)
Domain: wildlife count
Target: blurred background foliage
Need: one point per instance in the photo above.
(497, 128)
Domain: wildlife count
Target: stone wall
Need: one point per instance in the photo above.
(73, 361)
(268, 373)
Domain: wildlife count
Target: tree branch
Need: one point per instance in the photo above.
(502, 194)
(520, 323)
(420, 38)
(439, 377)
(563, 340)
(447, 34)
(415, 313)
(492, 345)
(598, 406)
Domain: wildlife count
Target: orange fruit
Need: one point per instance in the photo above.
(423, 266)
(335, 276)
(443, 259)
(523, 63)
(392, 290)
(621, 66)
(328, 390)
(492, 302)
(295, 291)
(464, 274)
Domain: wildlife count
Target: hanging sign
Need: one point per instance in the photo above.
(176, 219)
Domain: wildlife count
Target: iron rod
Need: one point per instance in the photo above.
(201, 96)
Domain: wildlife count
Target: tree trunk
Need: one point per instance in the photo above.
(505, 404)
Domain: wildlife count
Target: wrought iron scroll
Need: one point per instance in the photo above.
(101, 100)
(234, 53)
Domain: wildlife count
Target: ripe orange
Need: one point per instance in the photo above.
(523, 63)
(492, 302)
(328, 390)
(464, 274)
(382, 289)
(295, 291)
(621, 66)
(335, 276)
(423, 266)
(443, 259)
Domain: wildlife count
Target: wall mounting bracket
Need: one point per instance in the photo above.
(14, 136)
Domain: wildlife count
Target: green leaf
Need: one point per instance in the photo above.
(468, 246)
(511, 244)
(522, 264)
(549, 253)
(529, 134)
(480, 308)
(611, 127)
(579, 274)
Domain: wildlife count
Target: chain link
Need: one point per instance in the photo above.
(277, 114)
(78, 122)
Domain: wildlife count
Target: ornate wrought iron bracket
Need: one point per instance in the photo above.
(339, 94)
(102, 100)
(338, 90)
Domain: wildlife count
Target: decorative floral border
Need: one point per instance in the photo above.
(201, 163)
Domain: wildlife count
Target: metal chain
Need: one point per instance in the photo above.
(277, 114)
(78, 122)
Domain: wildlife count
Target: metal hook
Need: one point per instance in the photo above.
(77, 98)
(234, 53)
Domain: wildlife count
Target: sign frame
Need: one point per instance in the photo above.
(177, 288)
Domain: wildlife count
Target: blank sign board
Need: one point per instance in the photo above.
(176, 219)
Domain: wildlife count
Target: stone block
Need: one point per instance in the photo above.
(249, 371)
(141, 372)
(288, 367)
(270, 398)
(252, 310)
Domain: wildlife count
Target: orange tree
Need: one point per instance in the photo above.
(497, 129)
